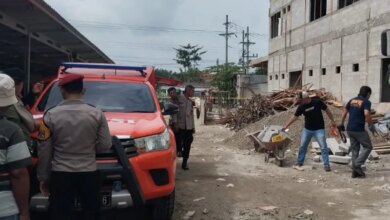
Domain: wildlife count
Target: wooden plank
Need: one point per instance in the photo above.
(381, 144)
(384, 151)
(382, 148)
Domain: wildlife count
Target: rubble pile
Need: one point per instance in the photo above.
(253, 110)
(240, 140)
(262, 106)
(340, 153)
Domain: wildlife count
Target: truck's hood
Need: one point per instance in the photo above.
(135, 124)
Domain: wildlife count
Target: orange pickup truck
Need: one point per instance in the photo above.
(140, 168)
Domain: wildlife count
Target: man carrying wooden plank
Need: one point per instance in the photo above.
(359, 109)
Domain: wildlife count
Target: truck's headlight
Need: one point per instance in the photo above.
(153, 143)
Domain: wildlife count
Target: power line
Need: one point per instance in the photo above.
(155, 47)
(252, 34)
(111, 25)
(106, 25)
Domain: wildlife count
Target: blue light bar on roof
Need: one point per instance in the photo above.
(103, 66)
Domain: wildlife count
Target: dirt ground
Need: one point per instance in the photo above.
(231, 182)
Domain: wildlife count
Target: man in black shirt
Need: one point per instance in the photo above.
(314, 126)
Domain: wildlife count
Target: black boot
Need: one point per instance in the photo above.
(184, 164)
(358, 173)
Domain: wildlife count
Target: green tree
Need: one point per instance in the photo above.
(166, 73)
(188, 56)
(224, 80)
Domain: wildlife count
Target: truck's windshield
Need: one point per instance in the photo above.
(107, 96)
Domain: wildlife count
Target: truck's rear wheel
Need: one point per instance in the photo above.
(163, 208)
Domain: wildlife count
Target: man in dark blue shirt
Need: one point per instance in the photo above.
(359, 109)
(314, 126)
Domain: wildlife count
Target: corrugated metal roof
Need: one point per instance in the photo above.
(43, 22)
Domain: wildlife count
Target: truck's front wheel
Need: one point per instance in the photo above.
(163, 208)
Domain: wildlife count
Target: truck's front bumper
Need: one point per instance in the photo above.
(119, 200)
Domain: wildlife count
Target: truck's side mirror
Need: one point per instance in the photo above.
(385, 44)
(169, 108)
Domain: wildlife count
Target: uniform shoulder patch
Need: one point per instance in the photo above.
(43, 132)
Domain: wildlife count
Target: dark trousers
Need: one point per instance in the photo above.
(359, 156)
(179, 148)
(64, 186)
(185, 140)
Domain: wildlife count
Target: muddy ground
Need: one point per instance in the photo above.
(231, 182)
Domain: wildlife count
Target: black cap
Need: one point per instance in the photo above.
(15, 73)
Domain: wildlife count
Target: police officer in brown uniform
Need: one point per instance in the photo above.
(186, 124)
(71, 134)
(173, 123)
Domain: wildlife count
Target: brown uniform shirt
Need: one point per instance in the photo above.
(173, 118)
(185, 116)
(77, 132)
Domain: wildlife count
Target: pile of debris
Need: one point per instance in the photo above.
(254, 110)
(262, 106)
(284, 100)
(382, 148)
(340, 153)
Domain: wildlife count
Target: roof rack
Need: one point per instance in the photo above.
(67, 65)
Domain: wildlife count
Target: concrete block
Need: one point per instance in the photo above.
(317, 158)
(315, 148)
(344, 146)
(316, 151)
(340, 159)
(373, 156)
(334, 147)
(315, 145)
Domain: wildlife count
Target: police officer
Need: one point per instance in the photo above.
(72, 133)
(173, 123)
(186, 124)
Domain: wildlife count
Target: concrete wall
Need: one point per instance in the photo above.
(343, 37)
(247, 85)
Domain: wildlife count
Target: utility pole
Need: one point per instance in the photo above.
(243, 51)
(217, 65)
(227, 34)
(248, 44)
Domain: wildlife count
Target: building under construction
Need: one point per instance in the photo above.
(332, 44)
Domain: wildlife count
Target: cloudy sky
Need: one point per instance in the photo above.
(144, 32)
